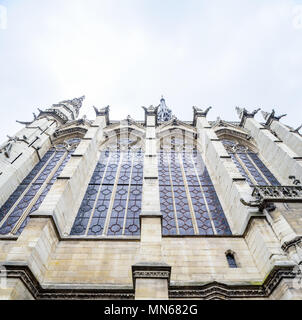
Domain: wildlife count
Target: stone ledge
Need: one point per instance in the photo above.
(150, 214)
(151, 270)
(73, 291)
(224, 291)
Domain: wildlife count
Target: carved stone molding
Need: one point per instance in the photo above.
(24, 273)
(70, 131)
(209, 291)
(57, 114)
(216, 290)
(266, 196)
(151, 270)
(288, 244)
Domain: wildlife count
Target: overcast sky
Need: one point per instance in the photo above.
(127, 53)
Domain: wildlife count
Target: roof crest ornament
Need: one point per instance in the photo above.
(164, 113)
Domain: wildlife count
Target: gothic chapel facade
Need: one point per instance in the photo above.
(153, 209)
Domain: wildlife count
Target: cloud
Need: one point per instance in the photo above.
(127, 53)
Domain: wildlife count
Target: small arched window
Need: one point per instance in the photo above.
(231, 260)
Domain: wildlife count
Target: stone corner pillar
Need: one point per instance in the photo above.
(150, 216)
(151, 280)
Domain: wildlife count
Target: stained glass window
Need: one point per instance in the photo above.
(188, 199)
(112, 202)
(250, 165)
(27, 198)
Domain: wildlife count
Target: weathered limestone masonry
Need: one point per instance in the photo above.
(290, 137)
(227, 178)
(263, 244)
(256, 254)
(151, 275)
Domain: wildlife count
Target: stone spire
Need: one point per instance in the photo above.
(76, 103)
(164, 114)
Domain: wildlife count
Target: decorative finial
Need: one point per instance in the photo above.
(164, 113)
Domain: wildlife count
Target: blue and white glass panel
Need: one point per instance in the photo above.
(27, 198)
(250, 165)
(188, 199)
(112, 202)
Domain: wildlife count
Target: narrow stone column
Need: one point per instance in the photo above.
(290, 137)
(151, 217)
(228, 182)
(148, 279)
(151, 281)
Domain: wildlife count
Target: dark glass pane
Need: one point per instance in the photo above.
(127, 176)
(231, 260)
(252, 169)
(270, 177)
(25, 201)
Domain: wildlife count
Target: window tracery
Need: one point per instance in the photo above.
(112, 202)
(249, 164)
(27, 198)
(188, 199)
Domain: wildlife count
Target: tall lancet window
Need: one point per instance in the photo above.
(189, 203)
(27, 198)
(249, 164)
(113, 199)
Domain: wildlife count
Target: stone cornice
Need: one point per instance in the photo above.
(218, 290)
(288, 244)
(207, 291)
(55, 113)
(151, 270)
(38, 292)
